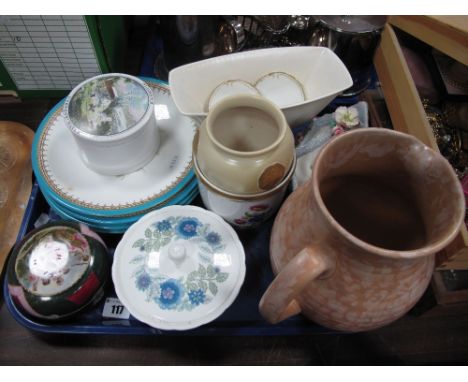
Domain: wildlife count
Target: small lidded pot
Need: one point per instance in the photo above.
(57, 270)
(245, 145)
(112, 120)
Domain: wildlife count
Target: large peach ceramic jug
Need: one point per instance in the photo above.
(353, 248)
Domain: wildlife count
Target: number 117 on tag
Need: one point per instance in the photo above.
(113, 308)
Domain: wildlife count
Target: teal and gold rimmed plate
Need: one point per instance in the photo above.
(187, 185)
(61, 173)
(117, 226)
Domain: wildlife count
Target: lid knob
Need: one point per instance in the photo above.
(177, 253)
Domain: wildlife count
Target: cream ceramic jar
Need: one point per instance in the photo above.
(245, 145)
(112, 120)
(242, 211)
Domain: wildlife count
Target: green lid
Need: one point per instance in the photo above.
(52, 261)
(57, 270)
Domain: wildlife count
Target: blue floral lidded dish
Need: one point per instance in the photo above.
(178, 268)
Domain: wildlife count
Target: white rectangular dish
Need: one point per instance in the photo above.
(322, 74)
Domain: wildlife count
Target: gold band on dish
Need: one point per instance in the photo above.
(287, 75)
(223, 83)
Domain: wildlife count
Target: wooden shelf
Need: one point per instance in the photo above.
(402, 98)
(449, 34)
(407, 112)
(443, 295)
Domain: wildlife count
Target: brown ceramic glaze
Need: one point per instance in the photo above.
(15, 181)
(353, 248)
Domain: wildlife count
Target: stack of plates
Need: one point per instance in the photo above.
(112, 203)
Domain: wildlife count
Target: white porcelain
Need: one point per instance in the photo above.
(242, 211)
(320, 71)
(230, 88)
(62, 171)
(113, 122)
(281, 88)
(178, 268)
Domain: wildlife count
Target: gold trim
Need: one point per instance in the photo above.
(152, 208)
(53, 185)
(287, 75)
(207, 106)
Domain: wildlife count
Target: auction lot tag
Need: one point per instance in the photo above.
(113, 308)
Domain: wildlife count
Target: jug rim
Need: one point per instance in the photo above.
(425, 250)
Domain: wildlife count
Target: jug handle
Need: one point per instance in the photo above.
(279, 300)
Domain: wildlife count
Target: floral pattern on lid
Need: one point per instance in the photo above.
(178, 267)
(57, 270)
(52, 261)
(184, 293)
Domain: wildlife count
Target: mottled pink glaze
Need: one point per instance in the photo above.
(338, 280)
(85, 230)
(17, 293)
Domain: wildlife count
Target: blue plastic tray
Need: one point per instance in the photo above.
(242, 317)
